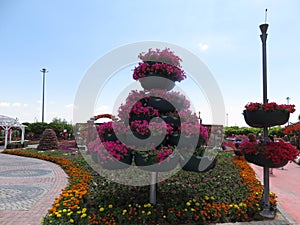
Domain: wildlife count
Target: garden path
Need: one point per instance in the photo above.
(286, 185)
(28, 188)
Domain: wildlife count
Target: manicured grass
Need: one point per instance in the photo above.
(228, 193)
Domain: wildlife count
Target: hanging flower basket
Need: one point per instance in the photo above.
(261, 160)
(270, 154)
(267, 114)
(262, 119)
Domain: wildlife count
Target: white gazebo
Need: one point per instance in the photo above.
(7, 123)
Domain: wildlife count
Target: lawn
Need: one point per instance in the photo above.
(228, 193)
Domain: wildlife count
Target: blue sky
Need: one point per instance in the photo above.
(67, 37)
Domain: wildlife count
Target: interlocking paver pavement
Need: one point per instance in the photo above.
(28, 188)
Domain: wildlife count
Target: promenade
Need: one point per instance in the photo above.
(28, 188)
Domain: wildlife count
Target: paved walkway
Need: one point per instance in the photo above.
(28, 188)
(286, 185)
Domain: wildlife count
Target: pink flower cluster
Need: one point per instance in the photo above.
(163, 153)
(105, 128)
(138, 109)
(165, 56)
(269, 107)
(165, 70)
(189, 129)
(109, 150)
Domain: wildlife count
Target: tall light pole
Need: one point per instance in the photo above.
(44, 71)
(266, 212)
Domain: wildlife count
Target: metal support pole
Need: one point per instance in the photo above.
(266, 208)
(153, 184)
(43, 96)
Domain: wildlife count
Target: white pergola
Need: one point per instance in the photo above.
(7, 123)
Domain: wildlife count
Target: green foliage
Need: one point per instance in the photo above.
(35, 130)
(16, 145)
(235, 130)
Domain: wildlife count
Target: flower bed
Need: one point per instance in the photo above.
(95, 200)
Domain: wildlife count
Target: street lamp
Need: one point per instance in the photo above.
(44, 71)
(266, 212)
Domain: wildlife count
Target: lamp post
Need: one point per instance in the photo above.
(266, 212)
(44, 71)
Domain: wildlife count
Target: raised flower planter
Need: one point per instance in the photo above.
(267, 114)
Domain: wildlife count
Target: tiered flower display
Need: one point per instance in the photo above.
(158, 116)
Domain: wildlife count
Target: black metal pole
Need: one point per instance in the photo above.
(266, 212)
(43, 96)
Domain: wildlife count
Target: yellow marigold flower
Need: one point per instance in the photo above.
(164, 216)
(78, 212)
(212, 198)
(206, 197)
(188, 204)
(50, 215)
(83, 215)
(192, 209)
(149, 213)
(185, 210)
(129, 205)
(70, 213)
(124, 211)
(84, 210)
(110, 206)
(58, 215)
(64, 210)
(101, 209)
(71, 221)
(143, 212)
(197, 204)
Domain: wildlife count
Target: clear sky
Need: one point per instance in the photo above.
(67, 37)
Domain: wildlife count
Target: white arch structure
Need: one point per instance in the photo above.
(6, 123)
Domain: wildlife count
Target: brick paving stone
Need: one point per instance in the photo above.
(28, 188)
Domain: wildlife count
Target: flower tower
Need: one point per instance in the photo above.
(155, 129)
